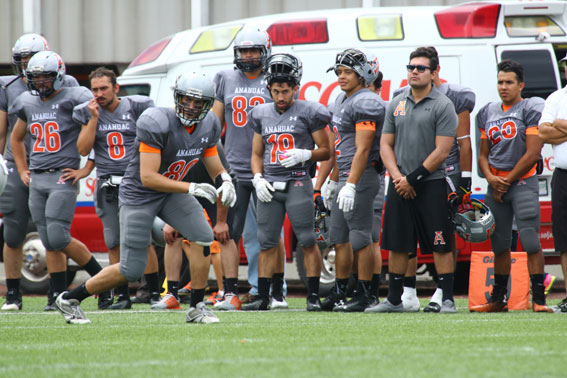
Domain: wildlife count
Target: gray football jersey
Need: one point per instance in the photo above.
(8, 96)
(281, 132)
(199, 172)
(362, 106)
(160, 128)
(415, 127)
(239, 94)
(50, 123)
(463, 98)
(115, 133)
(506, 131)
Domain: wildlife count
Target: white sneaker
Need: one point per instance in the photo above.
(278, 304)
(200, 314)
(410, 300)
(71, 310)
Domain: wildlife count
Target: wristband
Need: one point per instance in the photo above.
(417, 175)
(466, 174)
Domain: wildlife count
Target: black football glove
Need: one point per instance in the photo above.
(318, 201)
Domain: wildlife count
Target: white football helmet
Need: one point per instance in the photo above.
(284, 67)
(45, 63)
(252, 38)
(3, 173)
(358, 62)
(27, 45)
(197, 87)
(474, 222)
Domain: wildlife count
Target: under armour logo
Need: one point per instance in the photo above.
(514, 114)
(55, 106)
(60, 181)
(125, 116)
(427, 109)
(293, 118)
(439, 238)
(204, 140)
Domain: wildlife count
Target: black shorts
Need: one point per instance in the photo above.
(425, 219)
(559, 209)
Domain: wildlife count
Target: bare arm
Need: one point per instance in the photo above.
(77, 174)
(214, 166)
(561, 125)
(551, 135)
(387, 142)
(218, 109)
(439, 154)
(19, 150)
(464, 141)
(149, 174)
(322, 153)
(87, 135)
(326, 166)
(3, 130)
(257, 160)
(363, 141)
(528, 160)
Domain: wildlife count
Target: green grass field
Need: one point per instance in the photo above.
(290, 343)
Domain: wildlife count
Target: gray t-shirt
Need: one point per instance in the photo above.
(53, 131)
(114, 141)
(281, 132)
(347, 112)
(8, 96)
(416, 125)
(180, 150)
(239, 94)
(506, 131)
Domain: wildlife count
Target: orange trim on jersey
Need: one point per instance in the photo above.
(190, 129)
(145, 148)
(506, 107)
(483, 134)
(211, 151)
(532, 131)
(500, 173)
(366, 125)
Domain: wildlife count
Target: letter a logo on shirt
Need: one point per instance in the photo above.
(438, 238)
(400, 109)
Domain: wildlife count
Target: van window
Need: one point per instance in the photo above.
(531, 26)
(134, 89)
(539, 74)
(380, 27)
(300, 32)
(215, 39)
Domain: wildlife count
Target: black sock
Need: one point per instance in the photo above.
(197, 296)
(277, 286)
(92, 267)
(152, 281)
(79, 293)
(264, 288)
(342, 284)
(363, 288)
(13, 284)
(409, 281)
(538, 288)
(500, 288)
(375, 287)
(123, 291)
(231, 286)
(58, 282)
(173, 287)
(313, 286)
(395, 288)
(355, 277)
(446, 284)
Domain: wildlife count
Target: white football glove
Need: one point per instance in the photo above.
(346, 197)
(295, 156)
(206, 191)
(228, 198)
(329, 193)
(263, 188)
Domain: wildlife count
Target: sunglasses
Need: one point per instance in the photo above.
(420, 68)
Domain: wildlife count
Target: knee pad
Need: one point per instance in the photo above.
(58, 234)
(132, 272)
(530, 240)
(267, 243)
(14, 232)
(306, 237)
(111, 238)
(359, 239)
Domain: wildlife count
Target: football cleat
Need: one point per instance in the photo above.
(313, 303)
(200, 314)
(105, 300)
(257, 305)
(13, 301)
(493, 305)
(155, 298)
(373, 300)
(185, 290)
(357, 304)
(563, 305)
(432, 307)
(385, 306)
(71, 310)
(248, 298)
(214, 298)
(50, 306)
(336, 298)
(168, 302)
(410, 300)
(548, 282)
(230, 302)
(541, 308)
(278, 304)
(122, 303)
(448, 307)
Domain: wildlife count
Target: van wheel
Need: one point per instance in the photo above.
(35, 279)
(327, 280)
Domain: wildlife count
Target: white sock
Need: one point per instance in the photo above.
(409, 291)
(437, 296)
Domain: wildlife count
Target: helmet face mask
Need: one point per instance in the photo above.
(322, 230)
(27, 46)
(283, 68)
(45, 73)
(474, 222)
(251, 39)
(358, 62)
(194, 96)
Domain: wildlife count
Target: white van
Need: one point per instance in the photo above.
(471, 39)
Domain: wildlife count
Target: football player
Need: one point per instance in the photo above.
(357, 121)
(237, 92)
(45, 113)
(109, 129)
(170, 141)
(509, 151)
(285, 133)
